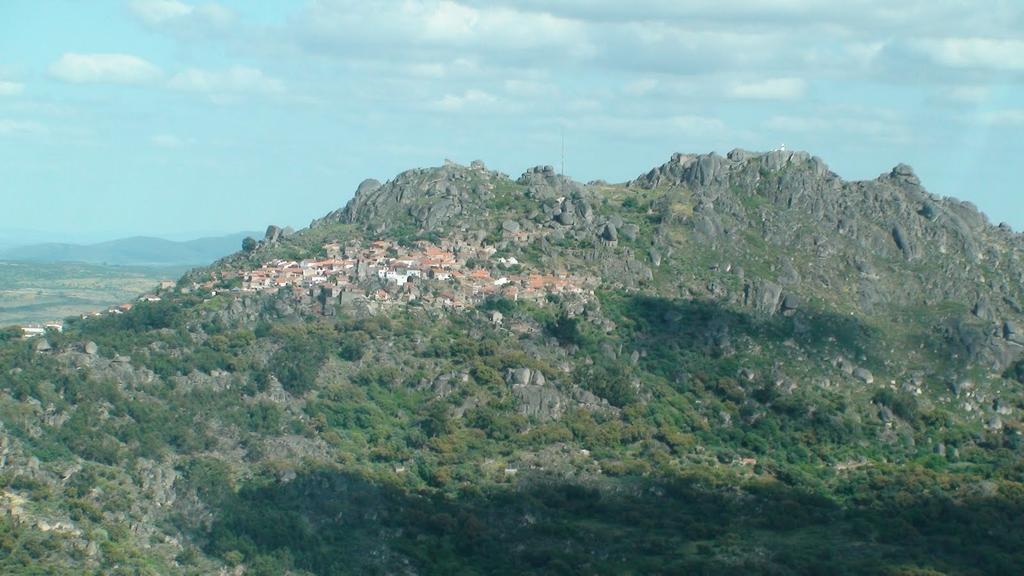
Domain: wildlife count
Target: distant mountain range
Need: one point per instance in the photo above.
(134, 251)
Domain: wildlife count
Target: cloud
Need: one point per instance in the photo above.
(175, 13)
(466, 67)
(8, 88)
(877, 125)
(696, 125)
(771, 50)
(168, 141)
(234, 81)
(103, 68)
(640, 87)
(1003, 118)
(704, 128)
(421, 28)
(797, 124)
(21, 128)
(159, 11)
(771, 89)
(969, 94)
(469, 99)
(529, 88)
(974, 53)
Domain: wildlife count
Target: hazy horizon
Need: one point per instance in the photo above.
(10, 237)
(165, 117)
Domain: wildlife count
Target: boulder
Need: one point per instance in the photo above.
(584, 211)
(609, 233)
(510, 226)
(864, 375)
(540, 402)
(518, 376)
(904, 173)
(90, 348)
(790, 302)
(367, 186)
(1013, 332)
(445, 384)
(899, 236)
(885, 414)
(843, 365)
(707, 169)
(537, 379)
(1001, 408)
(42, 345)
(273, 234)
(738, 155)
(567, 217)
(775, 159)
(762, 296)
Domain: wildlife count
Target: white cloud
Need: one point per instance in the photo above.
(796, 124)
(529, 88)
(428, 70)
(21, 128)
(466, 67)
(159, 11)
(978, 53)
(174, 12)
(692, 126)
(969, 94)
(1003, 118)
(581, 105)
(770, 89)
(236, 80)
(640, 87)
(8, 88)
(386, 28)
(169, 141)
(875, 125)
(103, 68)
(697, 125)
(469, 99)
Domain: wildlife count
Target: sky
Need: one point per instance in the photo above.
(180, 118)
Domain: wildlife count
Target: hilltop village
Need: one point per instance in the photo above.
(382, 272)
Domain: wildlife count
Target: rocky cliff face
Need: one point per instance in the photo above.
(882, 244)
(871, 246)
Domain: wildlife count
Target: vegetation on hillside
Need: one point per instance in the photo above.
(668, 423)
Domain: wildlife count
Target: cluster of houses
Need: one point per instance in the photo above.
(32, 330)
(451, 274)
(39, 329)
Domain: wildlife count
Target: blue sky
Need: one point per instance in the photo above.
(178, 118)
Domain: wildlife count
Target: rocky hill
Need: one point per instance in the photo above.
(738, 364)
